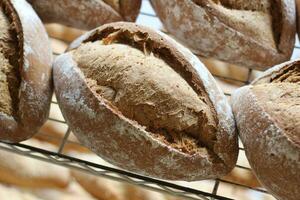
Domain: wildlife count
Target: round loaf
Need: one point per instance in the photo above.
(26, 72)
(145, 103)
(268, 119)
(86, 14)
(256, 34)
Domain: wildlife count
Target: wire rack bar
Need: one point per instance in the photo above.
(109, 172)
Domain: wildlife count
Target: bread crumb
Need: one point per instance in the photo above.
(9, 82)
(147, 90)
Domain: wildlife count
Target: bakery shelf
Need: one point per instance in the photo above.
(182, 190)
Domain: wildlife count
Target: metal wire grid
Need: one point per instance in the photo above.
(62, 159)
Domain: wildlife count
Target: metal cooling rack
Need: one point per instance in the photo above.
(146, 16)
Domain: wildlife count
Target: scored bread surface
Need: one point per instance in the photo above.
(118, 129)
(30, 86)
(86, 14)
(267, 114)
(9, 81)
(138, 86)
(255, 34)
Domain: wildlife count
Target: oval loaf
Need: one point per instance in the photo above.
(145, 103)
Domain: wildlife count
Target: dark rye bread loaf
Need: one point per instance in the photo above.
(268, 119)
(25, 71)
(145, 103)
(86, 14)
(256, 34)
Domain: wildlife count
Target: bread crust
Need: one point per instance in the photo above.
(207, 30)
(278, 164)
(130, 9)
(35, 60)
(85, 14)
(298, 16)
(119, 140)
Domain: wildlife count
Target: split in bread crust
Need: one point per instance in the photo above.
(9, 66)
(86, 14)
(254, 34)
(170, 116)
(280, 98)
(268, 118)
(25, 71)
(136, 83)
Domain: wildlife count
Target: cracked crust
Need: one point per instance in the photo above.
(106, 131)
(35, 70)
(267, 115)
(86, 14)
(256, 35)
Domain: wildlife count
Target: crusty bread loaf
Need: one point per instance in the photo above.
(86, 14)
(27, 172)
(25, 75)
(268, 118)
(168, 119)
(74, 191)
(256, 34)
(100, 188)
(105, 189)
(9, 192)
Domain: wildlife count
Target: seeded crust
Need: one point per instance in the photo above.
(267, 115)
(117, 134)
(26, 74)
(254, 34)
(86, 14)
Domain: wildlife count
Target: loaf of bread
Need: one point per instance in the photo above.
(105, 189)
(145, 103)
(74, 191)
(256, 34)
(86, 14)
(268, 118)
(25, 71)
(27, 172)
(9, 192)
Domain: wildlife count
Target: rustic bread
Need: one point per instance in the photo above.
(86, 14)
(255, 34)
(74, 191)
(268, 118)
(9, 192)
(27, 172)
(105, 189)
(25, 75)
(180, 128)
(100, 188)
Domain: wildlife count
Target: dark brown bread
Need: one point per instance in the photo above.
(86, 14)
(256, 34)
(26, 83)
(268, 119)
(145, 103)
